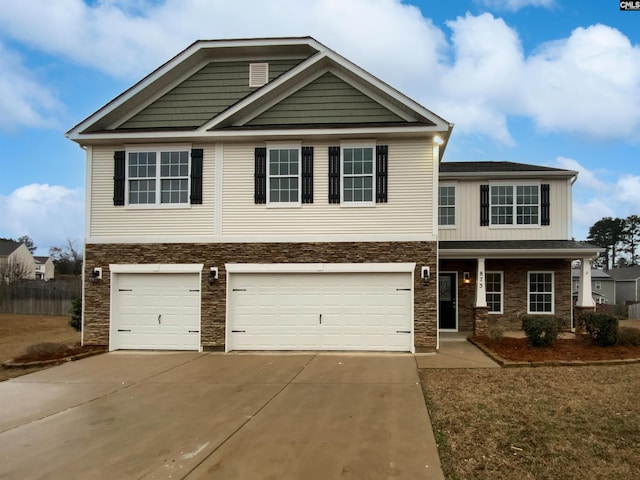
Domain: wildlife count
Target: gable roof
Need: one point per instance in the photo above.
(303, 61)
(625, 273)
(41, 259)
(499, 169)
(7, 247)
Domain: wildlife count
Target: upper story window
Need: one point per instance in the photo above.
(447, 205)
(158, 177)
(357, 175)
(515, 205)
(284, 175)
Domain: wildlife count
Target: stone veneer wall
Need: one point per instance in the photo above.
(514, 286)
(96, 302)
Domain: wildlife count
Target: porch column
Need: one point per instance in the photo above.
(585, 304)
(481, 310)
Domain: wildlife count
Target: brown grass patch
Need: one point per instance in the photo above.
(18, 332)
(579, 348)
(536, 423)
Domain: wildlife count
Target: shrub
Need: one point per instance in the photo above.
(603, 329)
(76, 314)
(541, 331)
(496, 333)
(628, 336)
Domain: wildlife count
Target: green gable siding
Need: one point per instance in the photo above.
(326, 100)
(204, 95)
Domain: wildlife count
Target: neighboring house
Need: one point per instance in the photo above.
(627, 284)
(505, 245)
(603, 287)
(45, 268)
(16, 262)
(304, 184)
(268, 194)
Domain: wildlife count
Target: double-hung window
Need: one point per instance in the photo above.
(446, 205)
(540, 292)
(158, 177)
(515, 205)
(284, 175)
(494, 291)
(358, 175)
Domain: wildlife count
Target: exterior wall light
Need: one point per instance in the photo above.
(426, 275)
(213, 275)
(95, 275)
(466, 277)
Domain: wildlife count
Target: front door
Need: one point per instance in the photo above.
(447, 313)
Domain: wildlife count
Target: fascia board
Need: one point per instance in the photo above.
(488, 176)
(518, 253)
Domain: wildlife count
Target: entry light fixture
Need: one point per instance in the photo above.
(466, 277)
(95, 275)
(426, 276)
(213, 275)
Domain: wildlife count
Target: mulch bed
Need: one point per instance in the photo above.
(51, 354)
(581, 348)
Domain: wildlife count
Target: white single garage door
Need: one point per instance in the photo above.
(159, 311)
(320, 311)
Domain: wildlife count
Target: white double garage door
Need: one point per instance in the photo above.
(357, 307)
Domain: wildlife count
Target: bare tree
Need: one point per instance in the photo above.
(68, 259)
(14, 271)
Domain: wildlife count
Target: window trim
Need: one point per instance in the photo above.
(360, 144)
(158, 150)
(455, 205)
(552, 293)
(514, 205)
(284, 146)
(487, 292)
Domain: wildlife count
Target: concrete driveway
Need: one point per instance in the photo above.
(228, 416)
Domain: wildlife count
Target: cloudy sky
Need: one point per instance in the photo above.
(549, 82)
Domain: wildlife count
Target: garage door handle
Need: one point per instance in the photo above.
(194, 331)
(238, 331)
(159, 317)
(403, 331)
(320, 319)
(121, 330)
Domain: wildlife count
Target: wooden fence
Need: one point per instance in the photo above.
(39, 298)
(634, 312)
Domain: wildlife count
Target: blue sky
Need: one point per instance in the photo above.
(549, 82)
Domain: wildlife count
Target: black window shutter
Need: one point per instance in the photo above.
(545, 204)
(119, 167)
(484, 205)
(381, 173)
(334, 174)
(260, 175)
(307, 174)
(196, 176)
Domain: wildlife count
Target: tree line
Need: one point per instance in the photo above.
(620, 238)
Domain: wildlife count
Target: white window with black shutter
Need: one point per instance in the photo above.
(283, 175)
(520, 205)
(358, 174)
(148, 177)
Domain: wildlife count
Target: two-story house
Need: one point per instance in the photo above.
(268, 194)
(261, 194)
(505, 245)
(16, 262)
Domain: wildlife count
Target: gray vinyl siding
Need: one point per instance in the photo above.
(204, 95)
(327, 99)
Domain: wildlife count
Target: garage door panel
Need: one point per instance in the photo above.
(282, 311)
(156, 311)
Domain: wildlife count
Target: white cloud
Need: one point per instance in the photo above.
(586, 178)
(24, 100)
(628, 192)
(49, 214)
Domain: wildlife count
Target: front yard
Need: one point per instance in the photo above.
(17, 332)
(536, 423)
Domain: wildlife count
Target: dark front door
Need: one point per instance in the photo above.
(447, 315)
